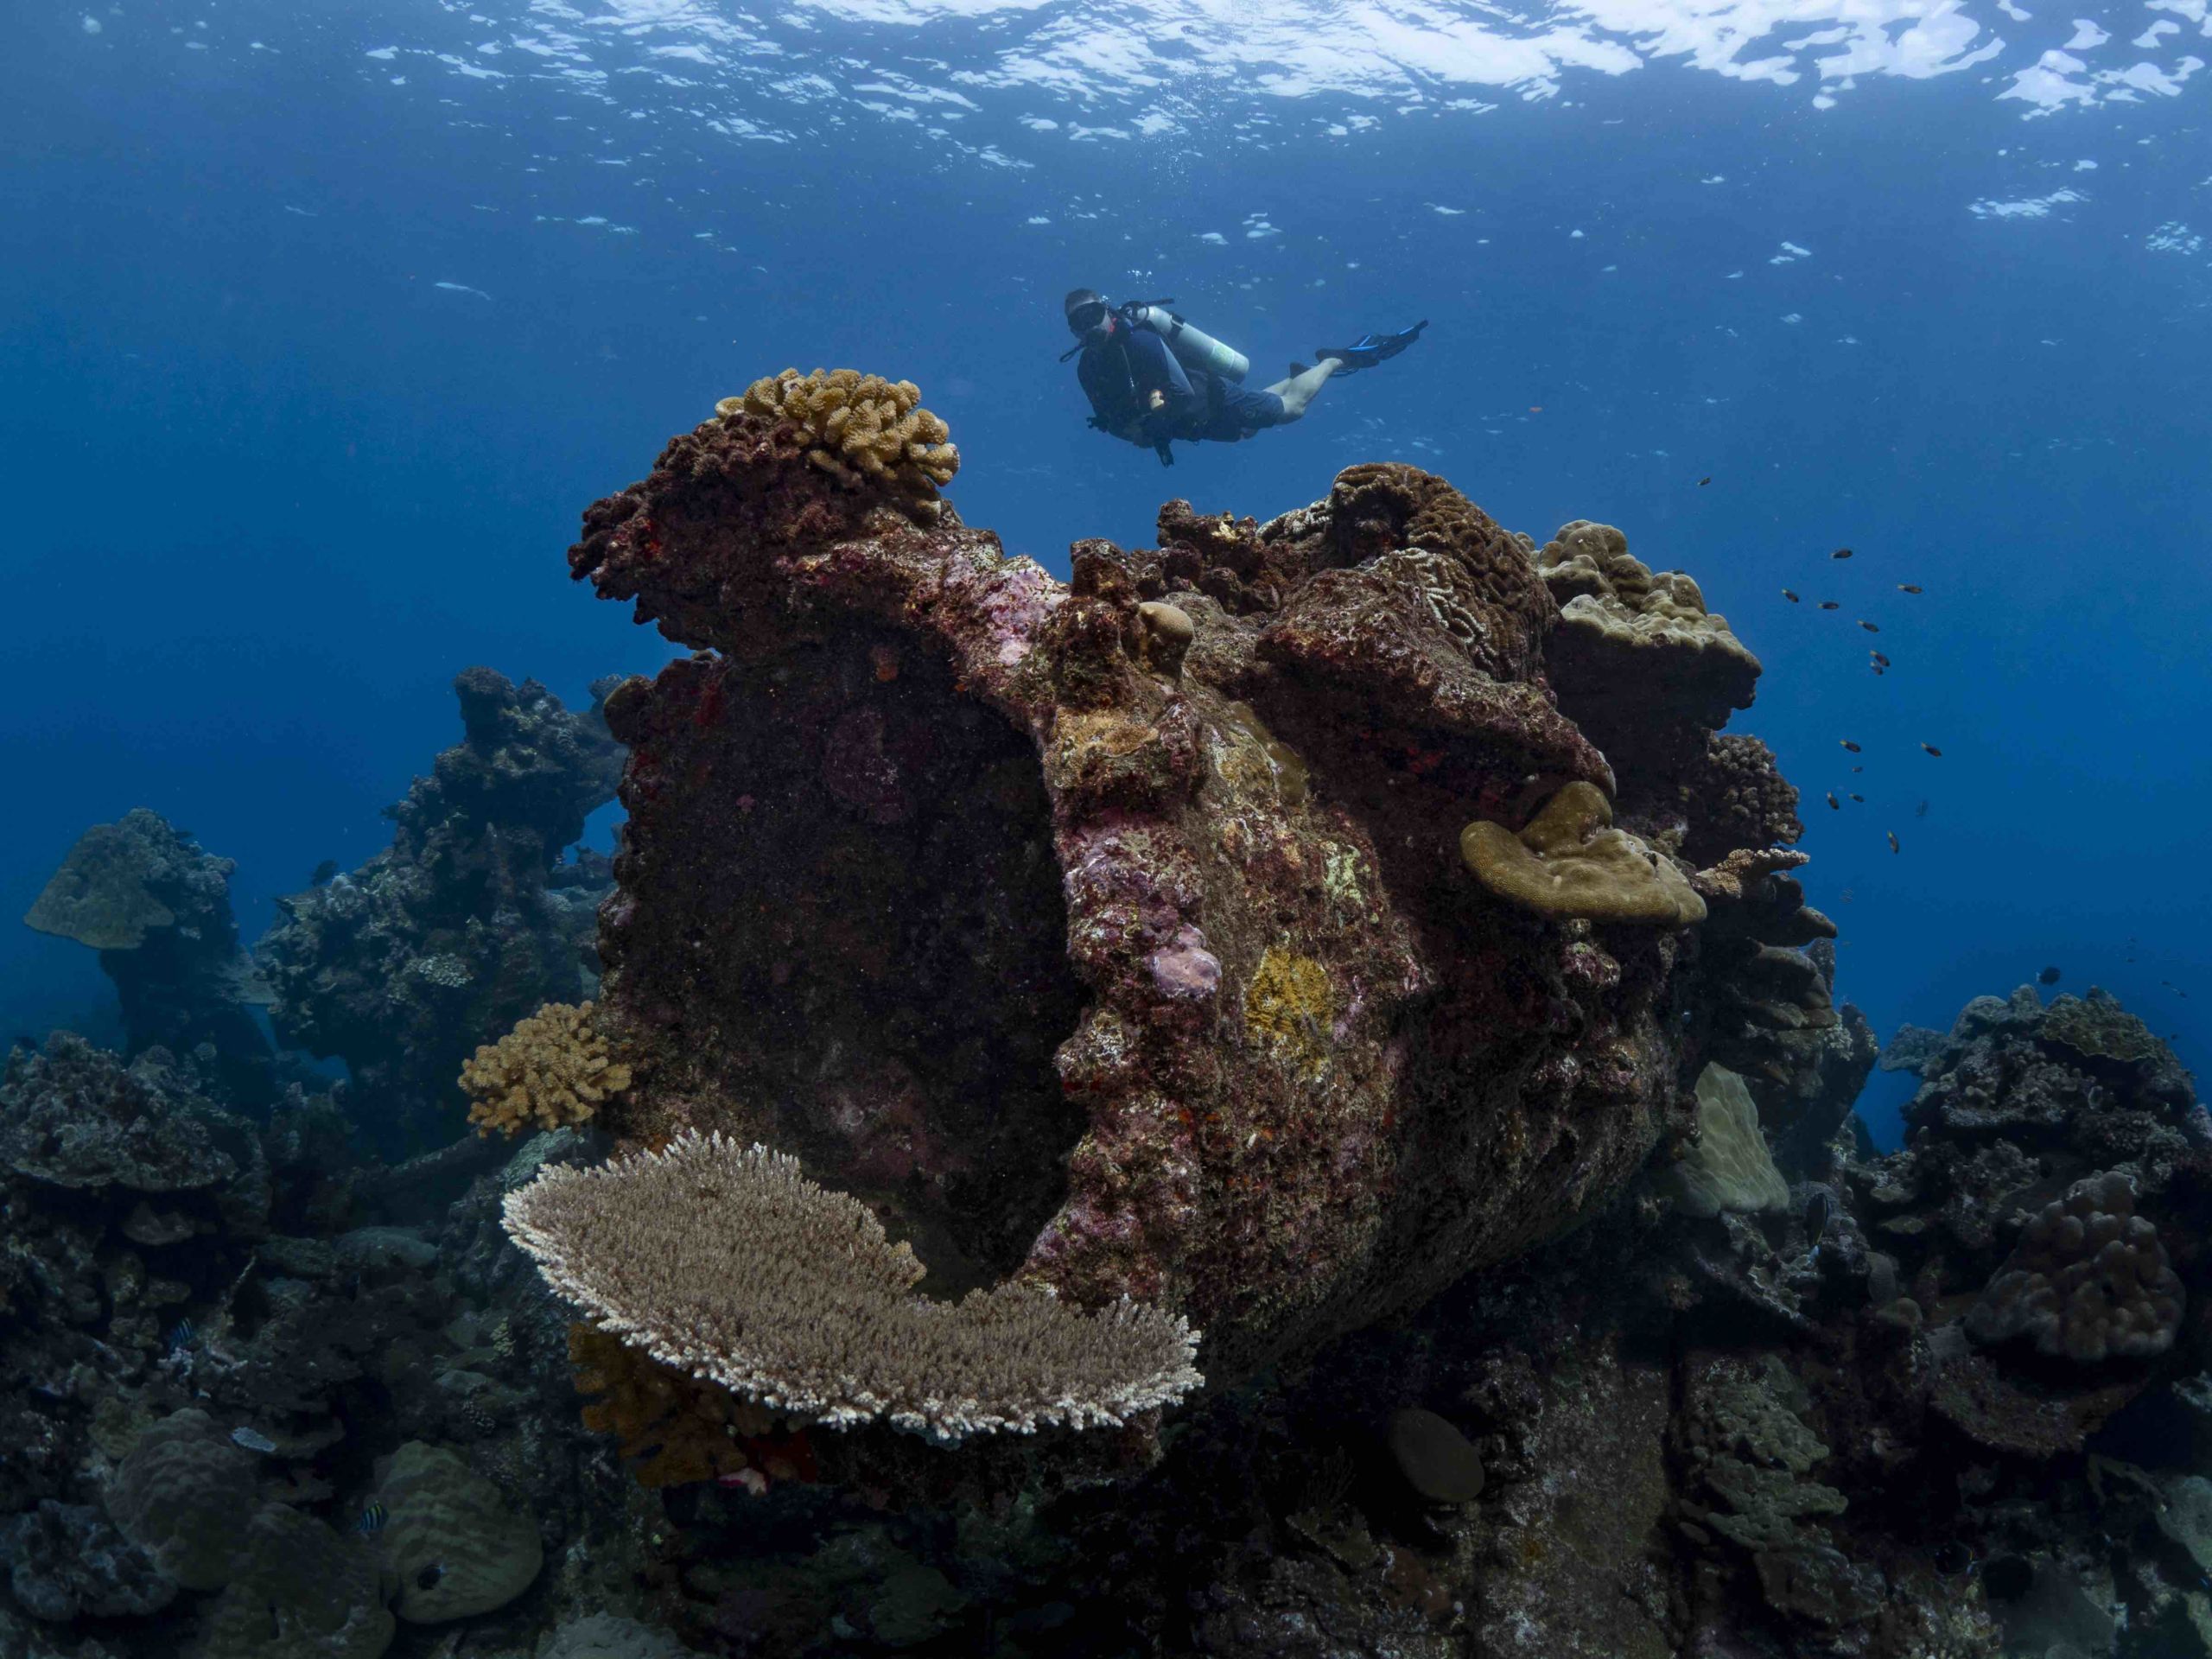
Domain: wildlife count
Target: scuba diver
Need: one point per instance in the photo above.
(1152, 377)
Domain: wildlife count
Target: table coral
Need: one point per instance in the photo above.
(552, 1070)
(820, 1322)
(1100, 976)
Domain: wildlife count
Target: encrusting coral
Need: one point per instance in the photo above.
(551, 1071)
(865, 428)
(727, 1263)
(1570, 861)
(1728, 1167)
(2088, 1280)
(673, 1428)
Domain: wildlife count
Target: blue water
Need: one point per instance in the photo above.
(320, 324)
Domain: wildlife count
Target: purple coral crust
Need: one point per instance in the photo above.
(1169, 989)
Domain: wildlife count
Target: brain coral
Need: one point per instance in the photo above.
(865, 428)
(552, 1070)
(820, 1320)
(2088, 1280)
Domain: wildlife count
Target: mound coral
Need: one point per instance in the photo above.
(865, 428)
(2088, 1280)
(451, 1542)
(551, 1071)
(726, 1262)
(1728, 1167)
(1570, 861)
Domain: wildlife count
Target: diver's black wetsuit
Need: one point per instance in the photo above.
(1140, 392)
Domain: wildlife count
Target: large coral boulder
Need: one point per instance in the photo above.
(1115, 933)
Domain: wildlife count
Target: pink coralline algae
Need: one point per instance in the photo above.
(1127, 952)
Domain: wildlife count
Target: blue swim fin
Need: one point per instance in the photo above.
(1370, 349)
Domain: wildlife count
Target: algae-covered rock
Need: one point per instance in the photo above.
(1728, 1167)
(449, 1538)
(1436, 1459)
(64, 1561)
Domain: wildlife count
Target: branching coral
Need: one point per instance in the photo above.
(865, 428)
(1570, 861)
(2088, 1280)
(728, 1263)
(552, 1070)
(674, 1429)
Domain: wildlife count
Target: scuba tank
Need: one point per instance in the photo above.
(1193, 349)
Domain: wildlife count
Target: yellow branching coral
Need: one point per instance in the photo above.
(553, 1069)
(674, 1428)
(866, 428)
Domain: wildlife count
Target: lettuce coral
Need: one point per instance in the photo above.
(552, 1070)
(865, 428)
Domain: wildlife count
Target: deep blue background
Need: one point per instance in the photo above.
(275, 486)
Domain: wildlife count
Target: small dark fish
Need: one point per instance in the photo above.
(1906, 587)
(1920, 811)
(1706, 479)
(1869, 626)
(323, 872)
(1840, 553)
(1893, 842)
(1791, 597)
(1861, 799)
(2048, 976)
(1830, 605)
(182, 1336)
(1954, 1560)
(1848, 744)
(1859, 768)
(1833, 802)
(1817, 1216)
(1933, 750)
(372, 1519)
(1878, 657)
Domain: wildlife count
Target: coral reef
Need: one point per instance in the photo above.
(1569, 863)
(467, 922)
(158, 911)
(449, 1539)
(821, 1324)
(922, 786)
(552, 1070)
